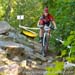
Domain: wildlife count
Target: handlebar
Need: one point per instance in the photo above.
(52, 28)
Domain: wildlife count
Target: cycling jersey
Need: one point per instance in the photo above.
(45, 20)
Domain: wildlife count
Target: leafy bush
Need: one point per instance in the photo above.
(71, 41)
(55, 70)
(70, 59)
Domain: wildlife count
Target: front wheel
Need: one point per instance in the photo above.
(44, 50)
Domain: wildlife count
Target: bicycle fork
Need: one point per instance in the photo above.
(44, 45)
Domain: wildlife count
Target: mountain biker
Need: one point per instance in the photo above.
(45, 19)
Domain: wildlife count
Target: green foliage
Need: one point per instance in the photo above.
(55, 70)
(9, 10)
(63, 53)
(62, 10)
(71, 59)
(71, 41)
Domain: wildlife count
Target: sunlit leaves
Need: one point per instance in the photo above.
(73, 49)
(72, 33)
(70, 59)
(1, 11)
(63, 53)
(71, 41)
(57, 68)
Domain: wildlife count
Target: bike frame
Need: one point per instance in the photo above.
(45, 42)
(45, 38)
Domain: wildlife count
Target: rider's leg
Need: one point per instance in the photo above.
(41, 33)
(48, 34)
(47, 42)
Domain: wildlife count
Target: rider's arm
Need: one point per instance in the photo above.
(38, 24)
(53, 22)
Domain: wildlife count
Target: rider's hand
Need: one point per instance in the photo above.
(55, 28)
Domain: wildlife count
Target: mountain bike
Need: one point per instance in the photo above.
(45, 40)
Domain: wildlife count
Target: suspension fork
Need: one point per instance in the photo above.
(45, 43)
(44, 40)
